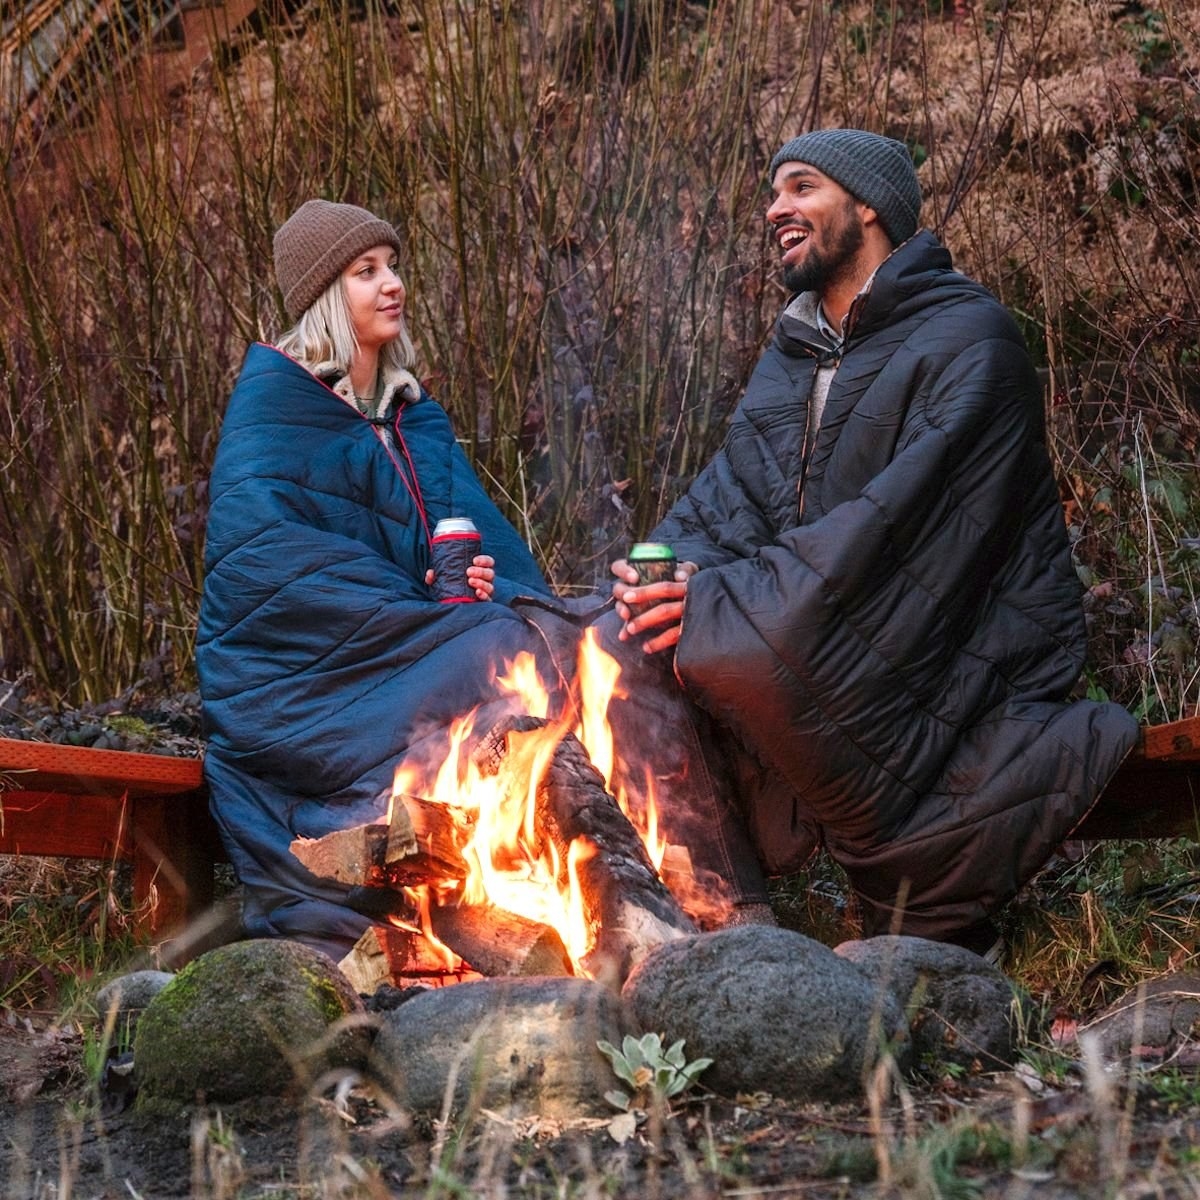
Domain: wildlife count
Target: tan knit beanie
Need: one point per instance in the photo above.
(318, 242)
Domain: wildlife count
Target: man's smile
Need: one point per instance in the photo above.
(790, 237)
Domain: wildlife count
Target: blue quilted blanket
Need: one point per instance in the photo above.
(323, 657)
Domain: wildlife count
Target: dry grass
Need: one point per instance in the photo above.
(587, 269)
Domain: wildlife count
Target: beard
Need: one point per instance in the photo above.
(821, 266)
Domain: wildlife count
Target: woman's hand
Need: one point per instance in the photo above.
(481, 577)
(655, 609)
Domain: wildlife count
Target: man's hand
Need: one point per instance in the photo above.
(654, 609)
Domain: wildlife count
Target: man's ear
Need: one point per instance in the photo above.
(868, 214)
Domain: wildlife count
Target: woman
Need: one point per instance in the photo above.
(322, 653)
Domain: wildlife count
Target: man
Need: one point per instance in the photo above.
(877, 599)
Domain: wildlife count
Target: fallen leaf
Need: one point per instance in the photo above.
(1063, 1031)
(622, 1127)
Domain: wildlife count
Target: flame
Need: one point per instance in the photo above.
(524, 682)
(510, 862)
(421, 897)
(655, 843)
(598, 675)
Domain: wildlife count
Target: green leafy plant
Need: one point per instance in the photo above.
(1174, 1089)
(653, 1074)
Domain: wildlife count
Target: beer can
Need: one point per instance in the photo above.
(653, 561)
(454, 545)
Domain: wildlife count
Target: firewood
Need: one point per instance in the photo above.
(439, 833)
(423, 844)
(496, 942)
(627, 907)
(378, 957)
(354, 856)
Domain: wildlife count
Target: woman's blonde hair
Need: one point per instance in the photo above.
(324, 335)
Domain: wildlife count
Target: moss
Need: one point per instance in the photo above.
(181, 992)
(154, 1109)
(130, 726)
(329, 1001)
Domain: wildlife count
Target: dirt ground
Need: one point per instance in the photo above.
(1014, 1135)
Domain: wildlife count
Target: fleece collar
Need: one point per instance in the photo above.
(399, 387)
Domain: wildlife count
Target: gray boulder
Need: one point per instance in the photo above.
(262, 1017)
(960, 1008)
(126, 998)
(518, 1045)
(1151, 1020)
(774, 1010)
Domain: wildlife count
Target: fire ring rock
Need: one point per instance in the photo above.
(1149, 1021)
(774, 1010)
(960, 1008)
(261, 1017)
(518, 1045)
(125, 998)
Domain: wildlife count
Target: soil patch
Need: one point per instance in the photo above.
(1017, 1134)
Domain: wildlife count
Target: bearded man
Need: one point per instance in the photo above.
(877, 602)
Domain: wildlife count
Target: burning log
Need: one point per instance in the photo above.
(627, 907)
(496, 942)
(422, 844)
(377, 957)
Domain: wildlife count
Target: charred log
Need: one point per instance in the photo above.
(628, 909)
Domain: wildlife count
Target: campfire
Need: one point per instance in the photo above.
(516, 857)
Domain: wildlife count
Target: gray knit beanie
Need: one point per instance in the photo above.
(877, 170)
(318, 242)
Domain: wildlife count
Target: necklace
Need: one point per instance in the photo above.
(367, 404)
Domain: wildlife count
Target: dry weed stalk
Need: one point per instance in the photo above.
(589, 273)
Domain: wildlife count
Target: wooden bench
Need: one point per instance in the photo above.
(1156, 792)
(152, 811)
(146, 809)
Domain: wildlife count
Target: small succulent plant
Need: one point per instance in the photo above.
(650, 1071)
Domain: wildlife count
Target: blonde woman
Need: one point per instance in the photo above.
(324, 655)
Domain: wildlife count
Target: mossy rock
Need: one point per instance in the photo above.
(256, 1018)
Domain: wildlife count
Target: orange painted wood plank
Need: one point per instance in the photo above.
(46, 766)
(147, 809)
(71, 826)
(1147, 799)
(1178, 741)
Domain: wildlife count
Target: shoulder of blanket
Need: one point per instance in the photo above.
(427, 410)
(919, 285)
(274, 388)
(266, 366)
